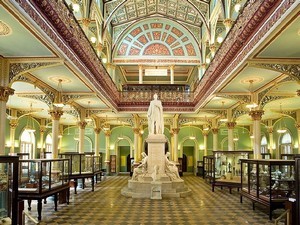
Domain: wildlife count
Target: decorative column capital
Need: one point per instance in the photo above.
(203, 66)
(42, 129)
(215, 130)
(230, 125)
(205, 133)
(256, 114)
(228, 22)
(270, 129)
(97, 130)
(136, 130)
(82, 124)
(5, 92)
(213, 48)
(107, 133)
(175, 130)
(99, 47)
(297, 125)
(13, 124)
(56, 114)
(298, 92)
(86, 22)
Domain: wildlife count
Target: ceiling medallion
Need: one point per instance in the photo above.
(252, 79)
(62, 79)
(4, 29)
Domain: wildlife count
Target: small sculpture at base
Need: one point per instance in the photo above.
(155, 116)
(141, 170)
(171, 169)
(155, 175)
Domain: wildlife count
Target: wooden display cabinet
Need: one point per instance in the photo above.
(208, 165)
(41, 178)
(297, 187)
(227, 168)
(9, 166)
(113, 164)
(82, 166)
(268, 182)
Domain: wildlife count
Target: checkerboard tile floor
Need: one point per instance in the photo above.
(106, 206)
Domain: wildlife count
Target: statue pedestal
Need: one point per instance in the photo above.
(144, 186)
(156, 190)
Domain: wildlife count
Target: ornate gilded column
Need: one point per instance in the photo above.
(99, 48)
(5, 92)
(256, 117)
(230, 126)
(13, 123)
(228, 24)
(175, 138)
(140, 74)
(81, 125)
(42, 136)
(140, 144)
(212, 49)
(86, 22)
(107, 150)
(136, 132)
(205, 135)
(55, 115)
(215, 132)
(298, 131)
(271, 140)
(172, 74)
(97, 140)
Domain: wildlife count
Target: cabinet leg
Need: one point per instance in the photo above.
(39, 208)
(29, 205)
(68, 196)
(55, 202)
(93, 183)
(83, 181)
(75, 186)
(253, 205)
(241, 199)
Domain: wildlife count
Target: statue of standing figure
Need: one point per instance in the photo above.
(155, 116)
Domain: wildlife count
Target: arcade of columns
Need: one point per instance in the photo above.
(56, 113)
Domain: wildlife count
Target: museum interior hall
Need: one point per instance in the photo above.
(77, 79)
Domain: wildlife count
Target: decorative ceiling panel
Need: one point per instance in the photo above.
(185, 11)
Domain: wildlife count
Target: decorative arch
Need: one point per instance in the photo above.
(155, 38)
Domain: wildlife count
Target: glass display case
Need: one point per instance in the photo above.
(41, 178)
(297, 187)
(268, 182)
(82, 166)
(227, 168)
(266, 155)
(9, 189)
(200, 169)
(208, 165)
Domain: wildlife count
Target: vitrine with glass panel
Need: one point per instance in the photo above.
(268, 182)
(9, 189)
(82, 166)
(227, 168)
(41, 178)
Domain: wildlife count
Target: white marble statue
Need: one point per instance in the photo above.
(141, 169)
(171, 169)
(155, 116)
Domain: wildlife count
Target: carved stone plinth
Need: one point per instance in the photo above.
(145, 186)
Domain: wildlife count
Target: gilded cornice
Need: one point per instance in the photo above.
(289, 69)
(16, 69)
